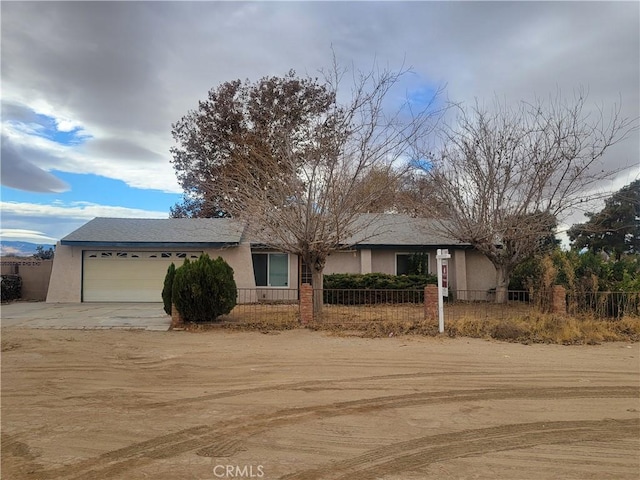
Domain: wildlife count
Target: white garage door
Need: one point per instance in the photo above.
(127, 276)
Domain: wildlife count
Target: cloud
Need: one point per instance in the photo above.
(33, 236)
(19, 171)
(76, 210)
(30, 150)
(57, 220)
(123, 72)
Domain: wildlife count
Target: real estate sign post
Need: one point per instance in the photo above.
(443, 283)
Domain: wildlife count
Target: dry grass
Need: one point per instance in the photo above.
(548, 328)
(513, 323)
(540, 328)
(257, 316)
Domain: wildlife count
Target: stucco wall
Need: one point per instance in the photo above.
(343, 262)
(66, 275)
(383, 261)
(35, 274)
(238, 258)
(481, 274)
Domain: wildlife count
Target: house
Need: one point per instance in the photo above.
(126, 259)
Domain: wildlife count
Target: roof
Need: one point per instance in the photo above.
(153, 232)
(378, 231)
(386, 230)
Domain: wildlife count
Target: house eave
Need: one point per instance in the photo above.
(363, 246)
(157, 245)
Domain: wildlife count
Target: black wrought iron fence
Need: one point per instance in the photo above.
(370, 296)
(274, 306)
(348, 306)
(481, 304)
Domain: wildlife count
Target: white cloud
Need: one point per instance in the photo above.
(76, 210)
(56, 220)
(25, 236)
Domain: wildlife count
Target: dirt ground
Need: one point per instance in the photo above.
(308, 405)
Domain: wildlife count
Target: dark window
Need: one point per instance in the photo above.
(271, 269)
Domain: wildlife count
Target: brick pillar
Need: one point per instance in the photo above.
(559, 300)
(306, 304)
(431, 302)
(176, 319)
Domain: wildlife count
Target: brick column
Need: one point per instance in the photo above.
(306, 304)
(559, 300)
(176, 319)
(431, 302)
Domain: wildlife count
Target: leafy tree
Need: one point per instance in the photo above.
(506, 174)
(615, 229)
(235, 121)
(296, 164)
(43, 254)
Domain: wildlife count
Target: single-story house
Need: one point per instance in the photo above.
(126, 259)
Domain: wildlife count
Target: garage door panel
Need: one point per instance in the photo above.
(134, 278)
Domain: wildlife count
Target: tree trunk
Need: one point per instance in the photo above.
(502, 284)
(317, 282)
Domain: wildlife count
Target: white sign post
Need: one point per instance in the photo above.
(443, 282)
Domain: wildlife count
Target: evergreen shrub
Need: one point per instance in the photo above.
(204, 289)
(167, 290)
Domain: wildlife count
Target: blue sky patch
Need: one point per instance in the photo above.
(49, 129)
(99, 190)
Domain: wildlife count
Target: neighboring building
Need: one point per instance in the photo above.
(125, 259)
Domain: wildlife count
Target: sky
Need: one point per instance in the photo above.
(90, 89)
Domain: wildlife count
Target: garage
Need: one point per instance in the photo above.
(127, 276)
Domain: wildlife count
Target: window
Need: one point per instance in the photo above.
(271, 269)
(412, 263)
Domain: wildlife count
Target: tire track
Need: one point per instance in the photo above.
(320, 385)
(419, 453)
(213, 437)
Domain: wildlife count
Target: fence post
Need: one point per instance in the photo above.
(559, 300)
(306, 304)
(431, 302)
(176, 319)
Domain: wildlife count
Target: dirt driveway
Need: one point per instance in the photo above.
(112, 404)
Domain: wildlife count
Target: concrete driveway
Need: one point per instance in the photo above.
(85, 316)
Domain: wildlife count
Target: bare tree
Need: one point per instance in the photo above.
(505, 174)
(316, 208)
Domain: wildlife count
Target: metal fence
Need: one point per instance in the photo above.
(351, 306)
(363, 306)
(262, 305)
(348, 306)
(481, 304)
(610, 305)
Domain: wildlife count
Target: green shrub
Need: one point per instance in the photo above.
(369, 288)
(204, 289)
(11, 287)
(167, 290)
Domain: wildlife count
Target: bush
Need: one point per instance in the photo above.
(356, 289)
(203, 290)
(11, 287)
(167, 290)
